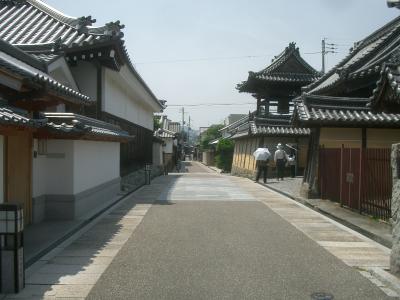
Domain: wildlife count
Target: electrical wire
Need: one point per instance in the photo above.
(202, 59)
(208, 104)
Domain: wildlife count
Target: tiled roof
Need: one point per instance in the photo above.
(287, 77)
(288, 67)
(44, 31)
(272, 125)
(277, 71)
(365, 60)
(164, 133)
(278, 130)
(313, 110)
(387, 91)
(283, 57)
(82, 126)
(21, 64)
(34, 22)
(17, 117)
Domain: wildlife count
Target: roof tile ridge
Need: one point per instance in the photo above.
(51, 11)
(22, 56)
(377, 34)
(73, 22)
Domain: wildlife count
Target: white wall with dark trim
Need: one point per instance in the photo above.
(127, 100)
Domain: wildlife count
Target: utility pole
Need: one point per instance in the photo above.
(189, 132)
(183, 119)
(326, 48)
(323, 56)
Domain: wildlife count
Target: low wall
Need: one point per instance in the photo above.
(72, 177)
(395, 255)
(209, 158)
(69, 207)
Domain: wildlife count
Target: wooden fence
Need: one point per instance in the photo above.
(360, 179)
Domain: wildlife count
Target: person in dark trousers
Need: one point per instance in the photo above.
(292, 165)
(280, 159)
(262, 167)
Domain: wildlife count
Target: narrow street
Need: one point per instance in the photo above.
(210, 237)
(203, 235)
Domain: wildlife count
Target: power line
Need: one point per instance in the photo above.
(202, 59)
(209, 104)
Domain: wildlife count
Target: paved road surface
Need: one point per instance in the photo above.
(210, 237)
(194, 167)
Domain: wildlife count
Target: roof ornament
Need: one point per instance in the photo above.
(342, 72)
(83, 22)
(114, 29)
(58, 45)
(395, 58)
(393, 3)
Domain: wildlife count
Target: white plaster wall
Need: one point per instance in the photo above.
(71, 167)
(60, 71)
(157, 154)
(168, 145)
(126, 98)
(85, 74)
(53, 172)
(95, 163)
(2, 169)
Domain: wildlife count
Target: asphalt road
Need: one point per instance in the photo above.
(235, 249)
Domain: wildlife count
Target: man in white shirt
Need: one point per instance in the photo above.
(280, 159)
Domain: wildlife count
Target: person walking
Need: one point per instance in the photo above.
(292, 165)
(262, 156)
(280, 159)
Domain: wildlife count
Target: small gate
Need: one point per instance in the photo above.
(329, 174)
(376, 192)
(360, 179)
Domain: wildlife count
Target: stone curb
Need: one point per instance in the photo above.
(342, 221)
(216, 170)
(76, 228)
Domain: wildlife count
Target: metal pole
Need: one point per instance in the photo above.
(323, 55)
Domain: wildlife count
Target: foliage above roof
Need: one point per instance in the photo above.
(287, 67)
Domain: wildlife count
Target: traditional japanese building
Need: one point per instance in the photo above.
(47, 160)
(169, 133)
(274, 88)
(94, 58)
(354, 113)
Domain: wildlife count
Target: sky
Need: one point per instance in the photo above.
(192, 52)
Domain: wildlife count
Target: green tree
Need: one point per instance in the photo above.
(224, 156)
(210, 134)
(156, 122)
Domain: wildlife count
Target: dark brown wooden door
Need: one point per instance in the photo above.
(19, 172)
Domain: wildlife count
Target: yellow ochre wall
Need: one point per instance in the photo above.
(352, 137)
(336, 137)
(382, 138)
(243, 159)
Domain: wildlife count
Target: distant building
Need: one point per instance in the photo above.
(232, 118)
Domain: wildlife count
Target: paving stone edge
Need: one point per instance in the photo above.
(342, 221)
(76, 228)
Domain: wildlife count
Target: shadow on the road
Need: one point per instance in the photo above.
(97, 246)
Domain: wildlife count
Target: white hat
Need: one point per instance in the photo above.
(279, 146)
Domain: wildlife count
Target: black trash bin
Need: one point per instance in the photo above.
(12, 269)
